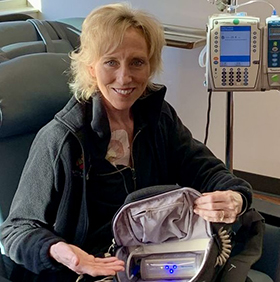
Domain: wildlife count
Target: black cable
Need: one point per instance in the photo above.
(208, 117)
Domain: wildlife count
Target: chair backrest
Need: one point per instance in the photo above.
(33, 87)
(14, 17)
(19, 38)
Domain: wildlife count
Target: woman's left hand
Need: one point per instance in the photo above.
(219, 206)
(81, 262)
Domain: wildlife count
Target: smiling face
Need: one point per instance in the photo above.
(122, 74)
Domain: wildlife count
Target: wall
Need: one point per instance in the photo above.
(256, 116)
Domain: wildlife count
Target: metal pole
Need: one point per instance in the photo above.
(230, 8)
(229, 121)
(229, 131)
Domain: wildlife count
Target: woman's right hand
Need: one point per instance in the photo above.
(82, 263)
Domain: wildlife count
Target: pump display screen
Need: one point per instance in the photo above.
(235, 46)
(274, 33)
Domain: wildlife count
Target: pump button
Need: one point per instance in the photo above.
(236, 21)
(275, 78)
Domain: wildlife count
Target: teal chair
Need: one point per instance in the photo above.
(33, 87)
(30, 97)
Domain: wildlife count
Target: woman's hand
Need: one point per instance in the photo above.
(219, 206)
(82, 263)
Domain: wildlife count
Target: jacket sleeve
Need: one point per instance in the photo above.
(196, 166)
(27, 233)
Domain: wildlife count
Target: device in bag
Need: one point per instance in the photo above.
(159, 237)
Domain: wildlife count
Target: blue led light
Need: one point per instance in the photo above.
(171, 268)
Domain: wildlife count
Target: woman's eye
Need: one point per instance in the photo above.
(111, 63)
(138, 63)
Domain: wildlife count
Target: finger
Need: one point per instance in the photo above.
(209, 198)
(228, 196)
(94, 268)
(108, 259)
(210, 206)
(107, 262)
(103, 271)
(94, 262)
(117, 265)
(229, 207)
(217, 220)
(225, 200)
(216, 216)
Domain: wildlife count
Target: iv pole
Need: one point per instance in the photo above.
(229, 131)
(229, 122)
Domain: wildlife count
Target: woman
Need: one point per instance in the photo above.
(116, 135)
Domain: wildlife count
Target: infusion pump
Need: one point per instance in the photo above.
(242, 54)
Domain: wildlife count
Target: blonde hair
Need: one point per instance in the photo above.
(103, 30)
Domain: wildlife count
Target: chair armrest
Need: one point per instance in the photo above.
(269, 262)
(2, 270)
(2, 279)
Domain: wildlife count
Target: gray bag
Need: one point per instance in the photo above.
(159, 237)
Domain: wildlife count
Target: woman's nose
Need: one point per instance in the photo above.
(124, 75)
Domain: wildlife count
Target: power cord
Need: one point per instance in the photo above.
(225, 247)
(208, 117)
(128, 264)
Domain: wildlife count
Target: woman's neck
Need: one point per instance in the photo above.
(121, 120)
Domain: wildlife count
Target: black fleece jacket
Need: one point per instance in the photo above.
(67, 160)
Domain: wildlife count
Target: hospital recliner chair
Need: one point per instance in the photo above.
(34, 58)
(33, 87)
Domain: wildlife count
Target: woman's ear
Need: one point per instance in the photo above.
(91, 70)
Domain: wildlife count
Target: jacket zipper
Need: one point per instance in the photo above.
(132, 161)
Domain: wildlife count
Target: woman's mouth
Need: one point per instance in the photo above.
(123, 91)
